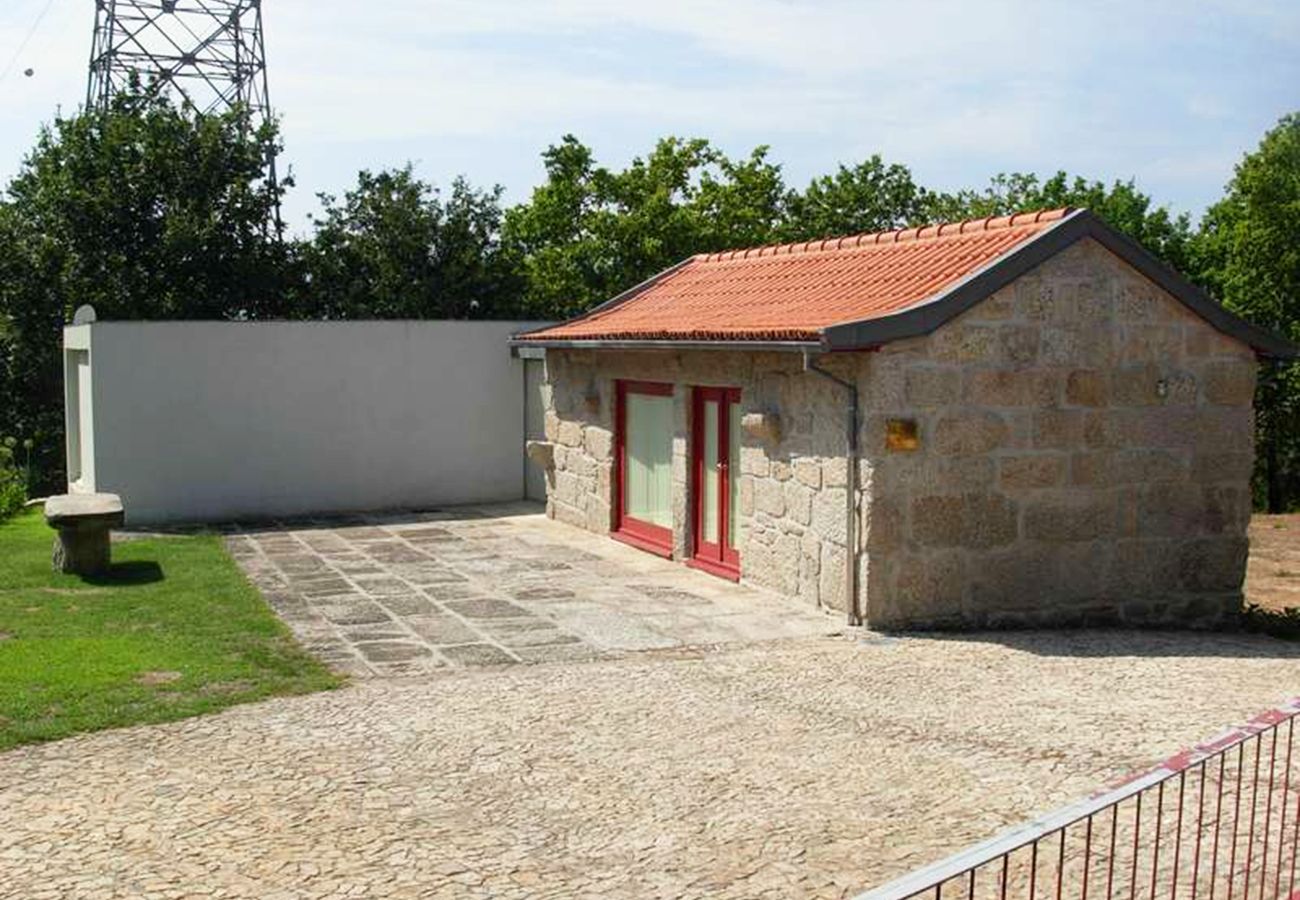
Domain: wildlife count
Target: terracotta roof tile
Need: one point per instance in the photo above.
(790, 292)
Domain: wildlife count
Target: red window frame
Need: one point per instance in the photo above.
(718, 558)
(643, 535)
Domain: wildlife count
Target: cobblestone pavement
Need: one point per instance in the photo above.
(804, 768)
(493, 585)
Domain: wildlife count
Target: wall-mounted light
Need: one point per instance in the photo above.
(902, 434)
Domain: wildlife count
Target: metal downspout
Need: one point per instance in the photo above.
(851, 491)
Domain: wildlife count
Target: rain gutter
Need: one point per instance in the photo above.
(651, 344)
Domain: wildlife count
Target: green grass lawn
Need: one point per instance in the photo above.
(172, 630)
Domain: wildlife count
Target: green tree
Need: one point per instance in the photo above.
(393, 247)
(741, 203)
(590, 232)
(869, 196)
(1121, 204)
(146, 211)
(14, 477)
(1248, 252)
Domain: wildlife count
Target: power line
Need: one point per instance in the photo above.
(27, 39)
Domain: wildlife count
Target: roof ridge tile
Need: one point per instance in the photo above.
(929, 231)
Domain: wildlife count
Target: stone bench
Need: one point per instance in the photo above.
(83, 522)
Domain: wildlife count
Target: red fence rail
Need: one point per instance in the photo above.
(1220, 821)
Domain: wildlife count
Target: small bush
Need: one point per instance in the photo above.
(1282, 623)
(13, 478)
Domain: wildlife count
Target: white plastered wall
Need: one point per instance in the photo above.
(211, 421)
(79, 409)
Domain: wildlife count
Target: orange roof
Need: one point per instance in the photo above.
(793, 292)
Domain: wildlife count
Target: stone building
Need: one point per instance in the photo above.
(1018, 420)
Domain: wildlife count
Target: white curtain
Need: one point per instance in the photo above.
(710, 462)
(649, 443)
(733, 472)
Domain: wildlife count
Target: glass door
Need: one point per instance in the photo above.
(716, 438)
(643, 457)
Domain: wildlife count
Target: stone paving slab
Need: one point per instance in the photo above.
(406, 594)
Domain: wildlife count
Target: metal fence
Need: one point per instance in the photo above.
(1218, 822)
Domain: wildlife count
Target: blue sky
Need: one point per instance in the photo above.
(1169, 93)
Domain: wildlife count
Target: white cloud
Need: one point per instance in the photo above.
(811, 67)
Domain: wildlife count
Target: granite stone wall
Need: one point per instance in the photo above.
(1085, 456)
(791, 483)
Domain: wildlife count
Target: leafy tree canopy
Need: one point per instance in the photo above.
(868, 196)
(1248, 248)
(1248, 251)
(145, 211)
(148, 211)
(395, 248)
(1121, 204)
(590, 232)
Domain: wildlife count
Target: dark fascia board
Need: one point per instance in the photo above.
(929, 315)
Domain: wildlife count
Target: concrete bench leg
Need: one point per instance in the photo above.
(83, 549)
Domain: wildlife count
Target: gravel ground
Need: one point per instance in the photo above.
(802, 768)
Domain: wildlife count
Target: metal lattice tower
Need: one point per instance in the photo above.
(210, 52)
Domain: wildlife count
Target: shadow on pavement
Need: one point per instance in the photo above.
(1118, 642)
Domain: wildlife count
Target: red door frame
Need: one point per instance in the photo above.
(718, 558)
(644, 535)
